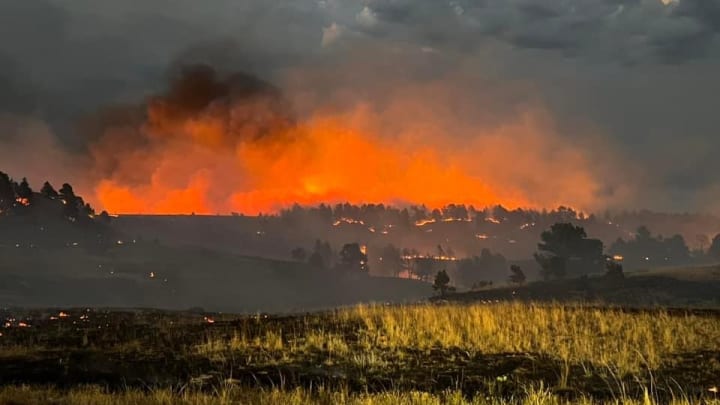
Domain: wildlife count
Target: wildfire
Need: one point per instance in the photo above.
(424, 222)
(457, 220)
(210, 151)
(23, 201)
(340, 221)
(440, 257)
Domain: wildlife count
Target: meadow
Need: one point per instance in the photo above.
(481, 353)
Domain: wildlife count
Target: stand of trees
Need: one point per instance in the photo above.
(351, 258)
(48, 218)
(646, 250)
(478, 270)
(566, 250)
(714, 250)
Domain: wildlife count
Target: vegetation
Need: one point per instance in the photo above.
(648, 250)
(499, 353)
(517, 276)
(566, 248)
(442, 282)
(353, 258)
(714, 250)
(477, 269)
(233, 395)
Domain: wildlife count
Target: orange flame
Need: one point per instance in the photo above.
(201, 164)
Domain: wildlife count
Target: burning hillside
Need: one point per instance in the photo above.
(214, 144)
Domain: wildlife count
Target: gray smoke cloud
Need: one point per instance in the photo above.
(640, 73)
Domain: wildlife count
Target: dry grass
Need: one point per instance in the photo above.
(237, 396)
(623, 342)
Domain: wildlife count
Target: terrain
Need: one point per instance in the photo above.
(679, 287)
(146, 274)
(487, 353)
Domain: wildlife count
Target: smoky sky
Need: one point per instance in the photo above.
(642, 73)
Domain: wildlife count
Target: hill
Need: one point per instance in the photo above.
(144, 274)
(694, 287)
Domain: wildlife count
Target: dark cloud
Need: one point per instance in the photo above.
(16, 92)
(635, 31)
(706, 12)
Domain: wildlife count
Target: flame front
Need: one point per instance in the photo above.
(206, 163)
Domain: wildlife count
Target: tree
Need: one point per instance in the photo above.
(714, 250)
(299, 254)
(566, 243)
(676, 250)
(487, 266)
(66, 191)
(104, 218)
(71, 209)
(7, 193)
(551, 266)
(517, 276)
(24, 193)
(423, 267)
(648, 250)
(614, 270)
(442, 281)
(325, 253)
(390, 260)
(48, 191)
(353, 258)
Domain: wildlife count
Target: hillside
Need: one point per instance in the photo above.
(696, 287)
(144, 274)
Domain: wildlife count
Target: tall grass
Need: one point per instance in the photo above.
(622, 342)
(237, 396)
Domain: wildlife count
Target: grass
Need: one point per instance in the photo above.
(235, 396)
(624, 342)
(515, 353)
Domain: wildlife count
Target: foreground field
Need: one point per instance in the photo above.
(233, 396)
(512, 352)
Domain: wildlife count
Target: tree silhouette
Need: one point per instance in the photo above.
(322, 255)
(24, 192)
(473, 270)
(423, 267)
(614, 270)
(71, 209)
(352, 258)
(390, 260)
(7, 193)
(517, 276)
(714, 249)
(645, 249)
(565, 242)
(442, 281)
(48, 191)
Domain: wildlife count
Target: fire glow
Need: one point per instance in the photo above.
(204, 162)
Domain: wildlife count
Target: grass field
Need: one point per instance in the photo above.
(420, 354)
(234, 396)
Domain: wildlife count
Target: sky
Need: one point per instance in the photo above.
(631, 85)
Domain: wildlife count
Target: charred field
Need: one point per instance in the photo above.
(504, 352)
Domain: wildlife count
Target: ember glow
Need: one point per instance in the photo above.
(245, 156)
